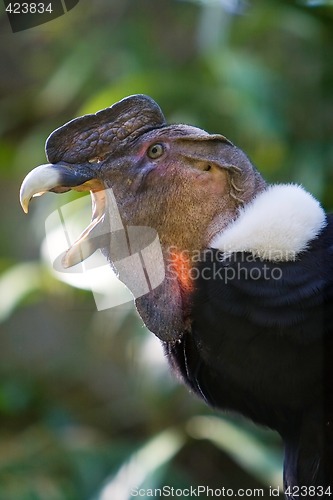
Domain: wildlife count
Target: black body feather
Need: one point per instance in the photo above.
(261, 344)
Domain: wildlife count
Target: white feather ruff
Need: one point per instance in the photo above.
(277, 225)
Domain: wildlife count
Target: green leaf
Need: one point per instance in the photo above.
(17, 283)
(245, 449)
(142, 464)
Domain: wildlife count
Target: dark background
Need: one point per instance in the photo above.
(86, 398)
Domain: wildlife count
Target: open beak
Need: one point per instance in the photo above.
(63, 177)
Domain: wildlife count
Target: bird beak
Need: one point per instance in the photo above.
(60, 178)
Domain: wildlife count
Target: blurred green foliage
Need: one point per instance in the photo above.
(87, 406)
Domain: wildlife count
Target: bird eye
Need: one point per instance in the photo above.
(155, 151)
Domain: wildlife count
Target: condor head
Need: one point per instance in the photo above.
(181, 181)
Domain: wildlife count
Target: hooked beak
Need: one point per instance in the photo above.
(60, 178)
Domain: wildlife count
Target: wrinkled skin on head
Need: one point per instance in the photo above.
(185, 193)
(185, 183)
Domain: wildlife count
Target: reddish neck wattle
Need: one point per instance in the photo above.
(180, 267)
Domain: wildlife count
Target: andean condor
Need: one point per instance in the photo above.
(245, 312)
